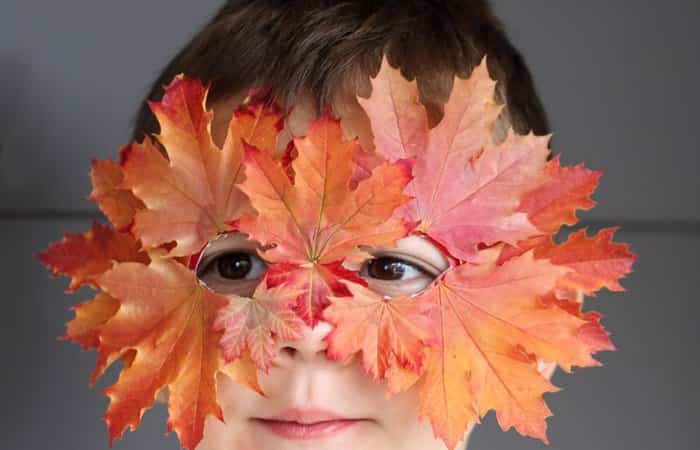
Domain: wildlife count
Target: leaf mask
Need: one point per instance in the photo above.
(469, 343)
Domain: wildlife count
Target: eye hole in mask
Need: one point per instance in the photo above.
(407, 269)
(230, 264)
(396, 274)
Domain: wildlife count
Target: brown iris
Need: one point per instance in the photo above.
(386, 268)
(233, 266)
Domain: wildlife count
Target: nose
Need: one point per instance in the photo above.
(309, 347)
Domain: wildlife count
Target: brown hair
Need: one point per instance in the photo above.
(329, 48)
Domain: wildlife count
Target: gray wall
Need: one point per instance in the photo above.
(618, 79)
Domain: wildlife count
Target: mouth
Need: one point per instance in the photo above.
(304, 424)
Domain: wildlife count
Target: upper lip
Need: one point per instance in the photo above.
(306, 416)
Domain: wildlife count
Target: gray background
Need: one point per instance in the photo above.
(619, 80)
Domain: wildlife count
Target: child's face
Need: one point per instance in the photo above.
(339, 405)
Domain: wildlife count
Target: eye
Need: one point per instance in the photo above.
(229, 266)
(394, 275)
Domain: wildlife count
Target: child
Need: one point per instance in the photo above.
(307, 54)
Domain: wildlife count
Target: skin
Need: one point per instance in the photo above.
(302, 376)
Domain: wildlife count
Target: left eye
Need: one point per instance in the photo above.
(232, 272)
(392, 276)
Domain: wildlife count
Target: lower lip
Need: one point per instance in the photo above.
(301, 431)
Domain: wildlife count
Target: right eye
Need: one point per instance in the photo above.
(395, 275)
(406, 269)
(228, 266)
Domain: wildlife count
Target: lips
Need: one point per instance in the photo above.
(303, 424)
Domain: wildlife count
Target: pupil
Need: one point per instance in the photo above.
(386, 268)
(234, 265)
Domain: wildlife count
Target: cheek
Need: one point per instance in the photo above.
(403, 428)
(235, 432)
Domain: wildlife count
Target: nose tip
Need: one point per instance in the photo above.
(310, 346)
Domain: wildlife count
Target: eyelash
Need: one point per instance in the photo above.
(404, 275)
(423, 268)
(209, 264)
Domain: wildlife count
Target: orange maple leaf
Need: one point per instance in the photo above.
(494, 325)
(90, 317)
(164, 327)
(467, 189)
(119, 205)
(191, 196)
(316, 221)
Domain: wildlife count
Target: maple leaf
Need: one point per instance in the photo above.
(493, 325)
(84, 256)
(591, 332)
(388, 332)
(164, 327)
(90, 317)
(315, 221)
(467, 189)
(191, 197)
(253, 323)
(565, 190)
(597, 261)
(119, 205)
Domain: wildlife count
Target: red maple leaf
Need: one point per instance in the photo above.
(84, 256)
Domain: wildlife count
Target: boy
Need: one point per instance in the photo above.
(311, 53)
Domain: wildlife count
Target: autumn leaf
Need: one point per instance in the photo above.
(119, 205)
(90, 317)
(164, 322)
(467, 189)
(388, 332)
(494, 325)
(315, 221)
(191, 196)
(84, 256)
(253, 324)
(591, 332)
(566, 189)
(597, 261)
